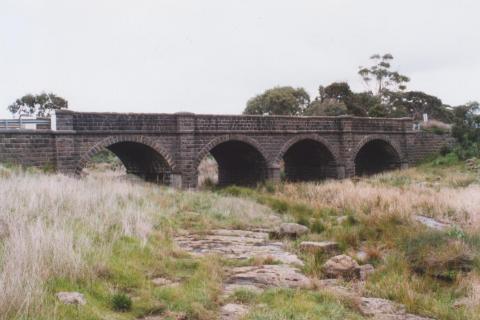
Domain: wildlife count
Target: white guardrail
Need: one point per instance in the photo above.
(29, 124)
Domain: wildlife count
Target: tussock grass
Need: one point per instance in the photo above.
(285, 304)
(96, 234)
(431, 272)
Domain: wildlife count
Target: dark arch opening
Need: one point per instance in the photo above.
(308, 160)
(237, 163)
(376, 156)
(142, 161)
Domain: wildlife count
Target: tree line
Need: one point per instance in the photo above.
(385, 95)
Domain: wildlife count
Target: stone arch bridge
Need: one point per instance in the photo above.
(168, 148)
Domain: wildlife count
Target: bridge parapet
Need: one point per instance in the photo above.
(203, 123)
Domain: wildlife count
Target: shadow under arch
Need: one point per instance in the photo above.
(240, 159)
(140, 156)
(376, 154)
(307, 158)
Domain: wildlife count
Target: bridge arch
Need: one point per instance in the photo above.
(241, 159)
(375, 154)
(140, 155)
(307, 157)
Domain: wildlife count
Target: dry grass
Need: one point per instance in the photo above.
(208, 172)
(400, 193)
(61, 227)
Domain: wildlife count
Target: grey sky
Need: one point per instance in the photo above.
(210, 56)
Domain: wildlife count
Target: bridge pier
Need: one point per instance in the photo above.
(176, 180)
(273, 174)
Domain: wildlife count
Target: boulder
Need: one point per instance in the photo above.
(269, 276)
(71, 298)
(319, 247)
(341, 266)
(291, 230)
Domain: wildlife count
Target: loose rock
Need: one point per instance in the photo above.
(432, 223)
(341, 266)
(291, 230)
(164, 282)
(319, 247)
(71, 298)
(267, 276)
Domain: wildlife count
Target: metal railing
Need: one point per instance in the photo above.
(28, 124)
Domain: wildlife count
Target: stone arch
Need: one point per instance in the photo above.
(298, 138)
(307, 157)
(141, 144)
(376, 153)
(241, 160)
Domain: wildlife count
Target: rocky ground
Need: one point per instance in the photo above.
(272, 265)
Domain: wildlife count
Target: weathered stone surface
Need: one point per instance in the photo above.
(267, 276)
(291, 230)
(164, 282)
(432, 223)
(233, 311)
(341, 266)
(237, 244)
(375, 306)
(319, 247)
(71, 298)
(382, 309)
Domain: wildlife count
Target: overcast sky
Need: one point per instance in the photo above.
(211, 56)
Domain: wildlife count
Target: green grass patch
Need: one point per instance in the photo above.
(289, 304)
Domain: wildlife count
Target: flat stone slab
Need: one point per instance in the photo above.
(237, 244)
(432, 223)
(269, 276)
(382, 309)
(71, 298)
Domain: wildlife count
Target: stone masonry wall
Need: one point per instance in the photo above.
(184, 139)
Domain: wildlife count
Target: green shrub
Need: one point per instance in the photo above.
(439, 254)
(121, 302)
(317, 226)
(244, 296)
